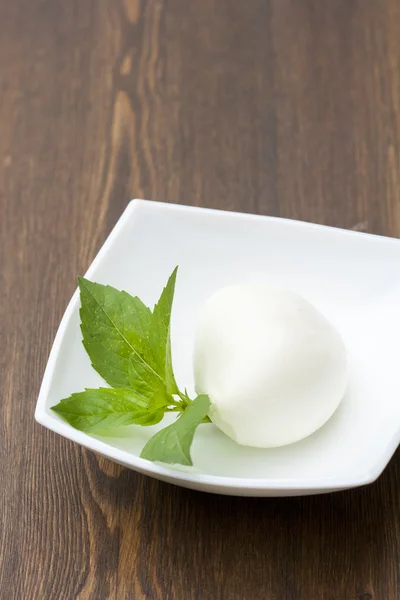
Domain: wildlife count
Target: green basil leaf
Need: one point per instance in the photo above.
(96, 410)
(160, 335)
(115, 326)
(172, 444)
(148, 384)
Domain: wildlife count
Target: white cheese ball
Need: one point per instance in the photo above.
(274, 367)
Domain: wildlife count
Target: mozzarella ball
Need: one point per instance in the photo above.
(274, 367)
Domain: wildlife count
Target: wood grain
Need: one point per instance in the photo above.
(276, 107)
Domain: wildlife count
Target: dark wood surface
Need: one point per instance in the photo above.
(280, 107)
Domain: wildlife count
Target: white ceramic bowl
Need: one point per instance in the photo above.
(353, 278)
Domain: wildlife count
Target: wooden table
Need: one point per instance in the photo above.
(280, 107)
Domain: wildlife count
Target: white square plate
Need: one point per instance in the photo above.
(353, 278)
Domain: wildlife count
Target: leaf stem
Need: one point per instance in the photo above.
(176, 404)
(185, 400)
